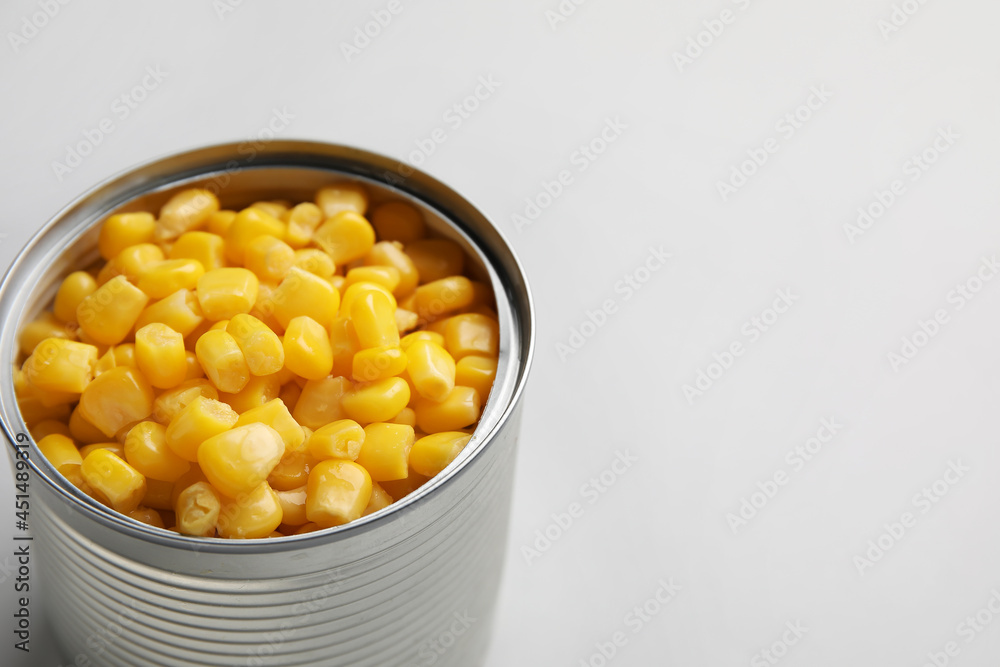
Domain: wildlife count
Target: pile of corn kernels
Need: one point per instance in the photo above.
(264, 372)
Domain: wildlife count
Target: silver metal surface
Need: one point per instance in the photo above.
(414, 584)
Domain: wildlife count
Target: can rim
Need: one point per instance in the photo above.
(307, 154)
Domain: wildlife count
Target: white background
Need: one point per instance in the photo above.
(656, 185)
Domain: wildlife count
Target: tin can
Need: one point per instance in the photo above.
(413, 584)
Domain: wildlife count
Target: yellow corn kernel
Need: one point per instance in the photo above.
(220, 222)
(108, 315)
(201, 419)
(356, 291)
(254, 515)
(459, 410)
(160, 354)
(248, 225)
(338, 492)
(148, 516)
(224, 293)
(377, 401)
(308, 352)
(378, 363)
(180, 311)
(123, 230)
(442, 297)
(292, 471)
(223, 361)
(471, 333)
(432, 453)
(61, 452)
(49, 427)
(258, 392)
(33, 411)
(125, 355)
(406, 320)
(236, 461)
(293, 506)
(193, 476)
(380, 499)
(385, 452)
(269, 258)
(303, 293)
(302, 222)
(168, 404)
(113, 447)
(386, 276)
(46, 326)
(345, 345)
(344, 196)
(132, 262)
(219, 326)
(315, 261)
(121, 484)
(158, 495)
(261, 347)
(263, 308)
(319, 403)
(386, 253)
(75, 287)
(276, 208)
(338, 283)
(478, 372)
(341, 439)
(398, 221)
(60, 365)
(116, 399)
(346, 236)
(436, 258)
(275, 414)
(431, 370)
(170, 275)
(401, 488)
(197, 510)
(423, 334)
(185, 211)
(373, 320)
(406, 416)
(106, 362)
(205, 248)
(193, 369)
(146, 450)
(82, 430)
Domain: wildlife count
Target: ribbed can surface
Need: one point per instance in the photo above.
(414, 584)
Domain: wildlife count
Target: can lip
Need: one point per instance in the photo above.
(298, 153)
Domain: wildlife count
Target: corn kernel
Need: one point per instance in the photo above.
(423, 334)
(333, 199)
(82, 430)
(431, 370)
(223, 361)
(190, 478)
(125, 355)
(269, 258)
(432, 453)
(406, 320)
(293, 506)
(201, 419)
(193, 369)
(458, 410)
(277, 208)
(106, 362)
(258, 392)
(319, 403)
(224, 293)
(386, 253)
(116, 399)
(471, 333)
(132, 262)
(292, 471)
(147, 516)
(197, 510)
(205, 248)
(220, 222)
(158, 494)
(303, 293)
(378, 363)
(377, 401)
(185, 211)
(46, 326)
(386, 276)
(254, 515)
(123, 230)
(358, 290)
(346, 236)
(308, 352)
(315, 261)
(385, 452)
(61, 452)
(49, 427)
(275, 414)
(261, 347)
(59, 365)
(442, 297)
(380, 499)
(373, 320)
(341, 439)
(338, 491)
(170, 275)
(113, 447)
(75, 287)
(121, 484)
(406, 416)
(238, 460)
(108, 315)
(477, 372)
(168, 404)
(436, 258)
(344, 342)
(159, 352)
(248, 225)
(302, 221)
(180, 311)
(398, 221)
(146, 450)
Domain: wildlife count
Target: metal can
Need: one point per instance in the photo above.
(413, 584)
